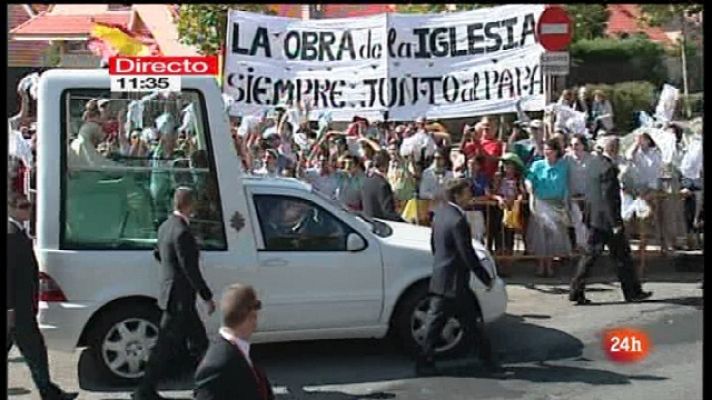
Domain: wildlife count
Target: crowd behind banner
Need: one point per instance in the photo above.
(527, 183)
(540, 167)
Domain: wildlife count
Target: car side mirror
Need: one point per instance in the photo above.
(355, 242)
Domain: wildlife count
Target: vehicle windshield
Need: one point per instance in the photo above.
(379, 228)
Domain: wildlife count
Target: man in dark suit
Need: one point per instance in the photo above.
(377, 194)
(454, 259)
(602, 213)
(227, 370)
(180, 281)
(23, 292)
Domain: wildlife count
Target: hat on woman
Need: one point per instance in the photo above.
(513, 158)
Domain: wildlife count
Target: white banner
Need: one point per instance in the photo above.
(399, 66)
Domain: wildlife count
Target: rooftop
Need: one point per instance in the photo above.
(47, 24)
(626, 19)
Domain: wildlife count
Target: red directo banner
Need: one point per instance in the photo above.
(163, 65)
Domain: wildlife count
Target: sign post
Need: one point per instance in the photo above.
(554, 32)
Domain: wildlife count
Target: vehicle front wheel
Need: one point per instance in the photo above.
(411, 324)
(122, 340)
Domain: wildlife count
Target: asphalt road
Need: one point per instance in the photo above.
(553, 348)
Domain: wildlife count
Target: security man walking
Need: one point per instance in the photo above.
(454, 260)
(23, 291)
(602, 213)
(180, 281)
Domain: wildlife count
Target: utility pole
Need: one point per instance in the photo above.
(683, 46)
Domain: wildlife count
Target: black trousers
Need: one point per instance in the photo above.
(179, 325)
(494, 216)
(28, 338)
(441, 309)
(619, 248)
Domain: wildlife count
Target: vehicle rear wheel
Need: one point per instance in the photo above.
(121, 341)
(411, 323)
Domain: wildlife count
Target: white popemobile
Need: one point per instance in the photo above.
(344, 276)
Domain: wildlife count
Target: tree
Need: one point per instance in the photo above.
(205, 25)
(437, 8)
(589, 20)
(53, 54)
(661, 14)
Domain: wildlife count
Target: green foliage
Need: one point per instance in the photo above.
(610, 48)
(590, 20)
(435, 8)
(205, 25)
(696, 102)
(634, 58)
(627, 99)
(661, 14)
(53, 54)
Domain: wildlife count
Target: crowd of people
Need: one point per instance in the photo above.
(531, 185)
(526, 178)
(527, 185)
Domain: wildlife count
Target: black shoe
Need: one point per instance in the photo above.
(640, 296)
(59, 394)
(582, 301)
(426, 368)
(579, 298)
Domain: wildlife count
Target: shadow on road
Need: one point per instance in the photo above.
(658, 269)
(555, 290)
(89, 380)
(547, 373)
(15, 391)
(692, 301)
(301, 365)
(326, 395)
(550, 344)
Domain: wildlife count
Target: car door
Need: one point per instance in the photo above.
(308, 278)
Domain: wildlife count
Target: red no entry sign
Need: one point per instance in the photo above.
(554, 29)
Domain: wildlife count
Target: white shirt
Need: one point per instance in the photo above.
(432, 183)
(413, 144)
(457, 207)
(243, 345)
(649, 167)
(17, 223)
(325, 184)
(263, 171)
(248, 125)
(578, 172)
(181, 215)
(692, 161)
(19, 147)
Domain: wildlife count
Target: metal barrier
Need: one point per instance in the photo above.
(638, 231)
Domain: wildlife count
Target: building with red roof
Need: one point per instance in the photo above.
(69, 26)
(25, 54)
(626, 20)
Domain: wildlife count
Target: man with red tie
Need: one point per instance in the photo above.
(227, 370)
